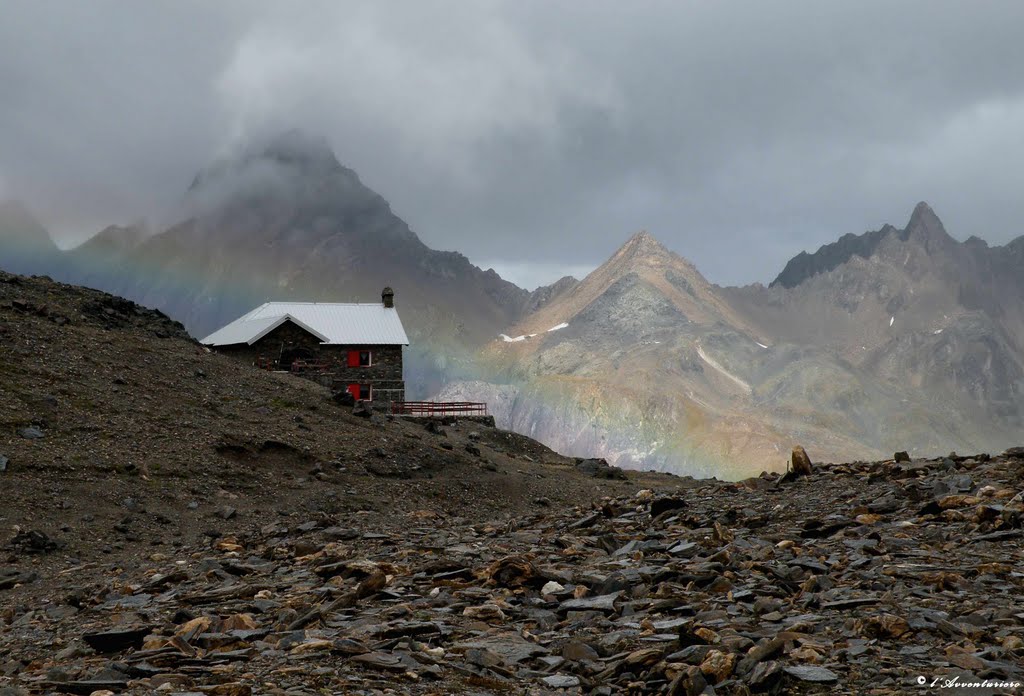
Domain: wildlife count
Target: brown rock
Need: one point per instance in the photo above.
(238, 622)
(883, 626)
(955, 501)
(689, 682)
(646, 656)
(484, 612)
(231, 689)
(801, 462)
(193, 628)
(513, 571)
(718, 666)
(762, 651)
(575, 651)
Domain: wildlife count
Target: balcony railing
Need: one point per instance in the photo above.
(438, 408)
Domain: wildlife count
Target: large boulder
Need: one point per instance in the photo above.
(801, 463)
(599, 468)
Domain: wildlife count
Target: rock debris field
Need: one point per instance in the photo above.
(238, 567)
(855, 579)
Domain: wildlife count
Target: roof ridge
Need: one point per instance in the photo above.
(307, 302)
(333, 322)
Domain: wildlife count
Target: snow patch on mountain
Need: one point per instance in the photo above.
(713, 363)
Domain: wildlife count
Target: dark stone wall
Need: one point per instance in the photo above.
(277, 344)
(384, 373)
(287, 341)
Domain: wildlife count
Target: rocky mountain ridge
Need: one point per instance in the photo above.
(899, 337)
(896, 336)
(283, 219)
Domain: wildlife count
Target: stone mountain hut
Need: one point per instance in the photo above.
(353, 347)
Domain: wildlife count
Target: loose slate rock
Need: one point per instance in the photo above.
(811, 673)
(743, 589)
(116, 641)
(600, 603)
(382, 660)
(561, 681)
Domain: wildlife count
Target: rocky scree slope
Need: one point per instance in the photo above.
(854, 579)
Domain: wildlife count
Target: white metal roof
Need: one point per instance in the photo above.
(332, 322)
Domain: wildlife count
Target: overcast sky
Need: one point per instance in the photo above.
(535, 137)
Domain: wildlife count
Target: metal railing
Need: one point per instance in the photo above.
(438, 408)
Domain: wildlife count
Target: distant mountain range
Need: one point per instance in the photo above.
(896, 339)
(893, 339)
(285, 220)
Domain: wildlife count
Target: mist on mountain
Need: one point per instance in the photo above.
(900, 338)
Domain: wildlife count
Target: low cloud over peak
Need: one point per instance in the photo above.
(528, 134)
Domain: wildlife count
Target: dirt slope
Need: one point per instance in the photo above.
(150, 441)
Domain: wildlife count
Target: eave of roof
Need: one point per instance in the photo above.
(336, 324)
(281, 320)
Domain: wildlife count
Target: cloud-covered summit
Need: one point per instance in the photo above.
(531, 134)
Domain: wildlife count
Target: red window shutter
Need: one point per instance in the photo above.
(353, 358)
(353, 389)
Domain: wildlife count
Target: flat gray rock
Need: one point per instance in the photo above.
(561, 681)
(811, 673)
(599, 603)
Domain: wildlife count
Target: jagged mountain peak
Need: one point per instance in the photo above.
(924, 227)
(923, 214)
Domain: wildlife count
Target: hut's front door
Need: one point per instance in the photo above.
(290, 355)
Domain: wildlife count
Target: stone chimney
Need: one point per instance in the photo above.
(387, 296)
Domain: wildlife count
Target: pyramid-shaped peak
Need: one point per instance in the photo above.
(924, 216)
(925, 225)
(643, 243)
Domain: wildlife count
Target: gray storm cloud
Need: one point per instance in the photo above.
(536, 136)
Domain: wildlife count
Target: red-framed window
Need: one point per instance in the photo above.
(361, 392)
(360, 358)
